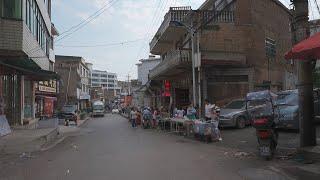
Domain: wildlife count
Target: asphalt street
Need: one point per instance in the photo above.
(109, 149)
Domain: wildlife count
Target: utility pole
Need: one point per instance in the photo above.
(192, 34)
(129, 86)
(305, 81)
(199, 75)
(68, 84)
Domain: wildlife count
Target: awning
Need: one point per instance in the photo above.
(29, 67)
(308, 49)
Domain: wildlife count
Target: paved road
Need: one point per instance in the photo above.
(109, 149)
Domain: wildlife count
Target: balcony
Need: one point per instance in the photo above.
(174, 63)
(168, 32)
(214, 17)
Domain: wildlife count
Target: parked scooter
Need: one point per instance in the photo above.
(263, 116)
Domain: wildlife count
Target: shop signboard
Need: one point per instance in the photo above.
(47, 86)
(84, 96)
(167, 87)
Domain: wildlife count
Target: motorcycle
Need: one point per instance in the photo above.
(262, 112)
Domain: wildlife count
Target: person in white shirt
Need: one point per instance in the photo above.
(215, 111)
(208, 109)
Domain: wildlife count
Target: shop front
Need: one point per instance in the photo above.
(17, 89)
(84, 101)
(45, 101)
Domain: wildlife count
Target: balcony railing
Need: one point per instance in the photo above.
(216, 17)
(172, 60)
(174, 14)
(183, 14)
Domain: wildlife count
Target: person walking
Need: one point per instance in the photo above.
(215, 112)
(133, 117)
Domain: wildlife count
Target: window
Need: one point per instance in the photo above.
(270, 48)
(37, 26)
(11, 9)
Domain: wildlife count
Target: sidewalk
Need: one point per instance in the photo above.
(22, 141)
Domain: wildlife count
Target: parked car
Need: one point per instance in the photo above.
(69, 113)
(288, 108)
(235, 114)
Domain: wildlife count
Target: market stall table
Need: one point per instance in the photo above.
(177, 125)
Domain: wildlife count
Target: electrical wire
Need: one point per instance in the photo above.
(311, 9)
(93, 18)
(102, 45)
(317, 5)
(112, 2)
(83, 21)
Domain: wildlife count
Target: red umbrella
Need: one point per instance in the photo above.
(306, 49)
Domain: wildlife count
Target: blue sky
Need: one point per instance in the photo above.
(125, 20)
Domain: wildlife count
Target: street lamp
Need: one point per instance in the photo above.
(192, 32)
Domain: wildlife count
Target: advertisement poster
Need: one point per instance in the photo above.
(48, 106)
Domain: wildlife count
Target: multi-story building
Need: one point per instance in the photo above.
(140, 95)
(26, 57)
(107, 81)
(238, 45)
(144, 68)
(314, 26)
(75, 77)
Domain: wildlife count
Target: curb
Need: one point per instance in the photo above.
(84, 121)
(55, 140)
(51, 135)
(53, 144)
(311, 153)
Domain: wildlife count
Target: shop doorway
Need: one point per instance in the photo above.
(10, 95)
(182, 98)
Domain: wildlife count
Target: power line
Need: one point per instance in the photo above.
(112, 2)
(317, 5)
(102, 45)
(93, 14)
(93, 18)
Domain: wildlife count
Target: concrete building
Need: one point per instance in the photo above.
(107, 81)
(314, 26)
(104, 79)
(75, 77)
(239, 45)
(141, 96)
(144, 68)
(26, 57)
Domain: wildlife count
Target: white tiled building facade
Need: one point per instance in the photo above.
(104, 79)
(144, 68)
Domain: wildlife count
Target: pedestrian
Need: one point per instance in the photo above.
(208, 112)
(147, 117)
(138, 122)
(215, 112)
(154, 118)
(191, 112)
(133, 117)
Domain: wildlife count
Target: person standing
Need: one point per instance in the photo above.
(154, 117)
(215, 112)
(133, 117)
(208, 110)
(191, 112)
